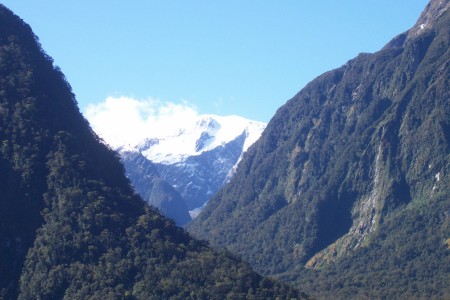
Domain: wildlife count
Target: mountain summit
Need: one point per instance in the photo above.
(427, 20)
(204, 133)
(195, 160)
(71, 226)
(347, 190)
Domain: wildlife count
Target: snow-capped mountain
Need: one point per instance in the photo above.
(199, 158)
(206, 133)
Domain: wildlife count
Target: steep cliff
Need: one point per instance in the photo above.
(344, 168)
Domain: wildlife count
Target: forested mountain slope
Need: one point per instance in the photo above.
(71, 227)
(347, 191)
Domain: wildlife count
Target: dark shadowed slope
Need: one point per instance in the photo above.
(347, 191)
(153, 189)
(70, 225)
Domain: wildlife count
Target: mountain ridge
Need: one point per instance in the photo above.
(206, 133)
(153, 189)
(356, 147)
(196, 161)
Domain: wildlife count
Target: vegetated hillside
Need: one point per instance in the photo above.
(70, 225)
(347, 192)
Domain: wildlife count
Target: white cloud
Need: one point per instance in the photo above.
(124, 120)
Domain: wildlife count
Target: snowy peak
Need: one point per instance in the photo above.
(205, 133)
(197, 156)
(208, 123)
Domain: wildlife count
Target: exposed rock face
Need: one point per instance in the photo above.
(153, 189)
(432, 12)
(199, 177)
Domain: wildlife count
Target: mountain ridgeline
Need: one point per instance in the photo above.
(147, 181)
(196, 162)
(71, 227)
(347, 191)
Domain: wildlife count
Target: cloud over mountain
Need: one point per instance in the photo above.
(125, 120)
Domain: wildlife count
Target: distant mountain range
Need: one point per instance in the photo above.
(347, 192)
(196, 161)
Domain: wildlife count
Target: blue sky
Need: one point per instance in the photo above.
(241, 57)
